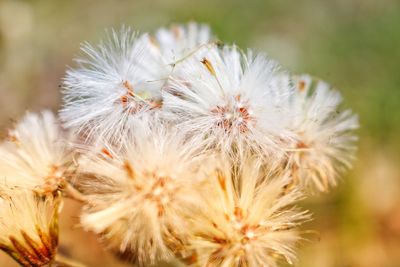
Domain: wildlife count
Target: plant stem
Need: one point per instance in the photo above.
(73, 193)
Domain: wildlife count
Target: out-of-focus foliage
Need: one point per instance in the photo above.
(352, 44)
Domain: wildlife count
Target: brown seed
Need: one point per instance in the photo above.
(128, 86)
(129, 170)
(301, 85)
(221, 180)
(106, 152)
(209, 66)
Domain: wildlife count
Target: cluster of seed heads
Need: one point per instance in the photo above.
(180, 148)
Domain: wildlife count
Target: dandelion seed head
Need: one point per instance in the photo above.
(180, 40)
(325, 142)
(137, 199)
(113, 85)
(247, 220)
(232, 98)
(36, 155)
(120, 79)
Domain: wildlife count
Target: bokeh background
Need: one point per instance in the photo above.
(353, 44)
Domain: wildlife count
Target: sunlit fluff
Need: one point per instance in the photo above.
(116, 82)
(136, 200)
(36, 155)
(29, 227)
(325, 140)
(121, 78)
(178, 42)
(230, 100)
(247, 219)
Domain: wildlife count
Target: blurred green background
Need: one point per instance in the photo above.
(353, 44)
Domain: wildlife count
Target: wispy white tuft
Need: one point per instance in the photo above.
(247, 219)
(325, 141)
(36, 155)
(178, 42)
(120, 79)
(231, 100)
(136, 200)
(114, 84)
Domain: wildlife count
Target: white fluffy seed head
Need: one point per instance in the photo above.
(29, 226)
(136, 200)
(325, 142)
(179, 41)
(114, 84)
(230, 100)
(120, 79)
(36, 155)
(247, 219)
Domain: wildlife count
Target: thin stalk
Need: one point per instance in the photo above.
(73, 193)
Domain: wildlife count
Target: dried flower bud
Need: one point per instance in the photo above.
(29, 227)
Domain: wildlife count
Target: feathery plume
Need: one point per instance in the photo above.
(246, 219)
(136, 200)
(36, 155)
(122, 78)
(230, 100)
(324, 144)
(180, 41)
(112, 87)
